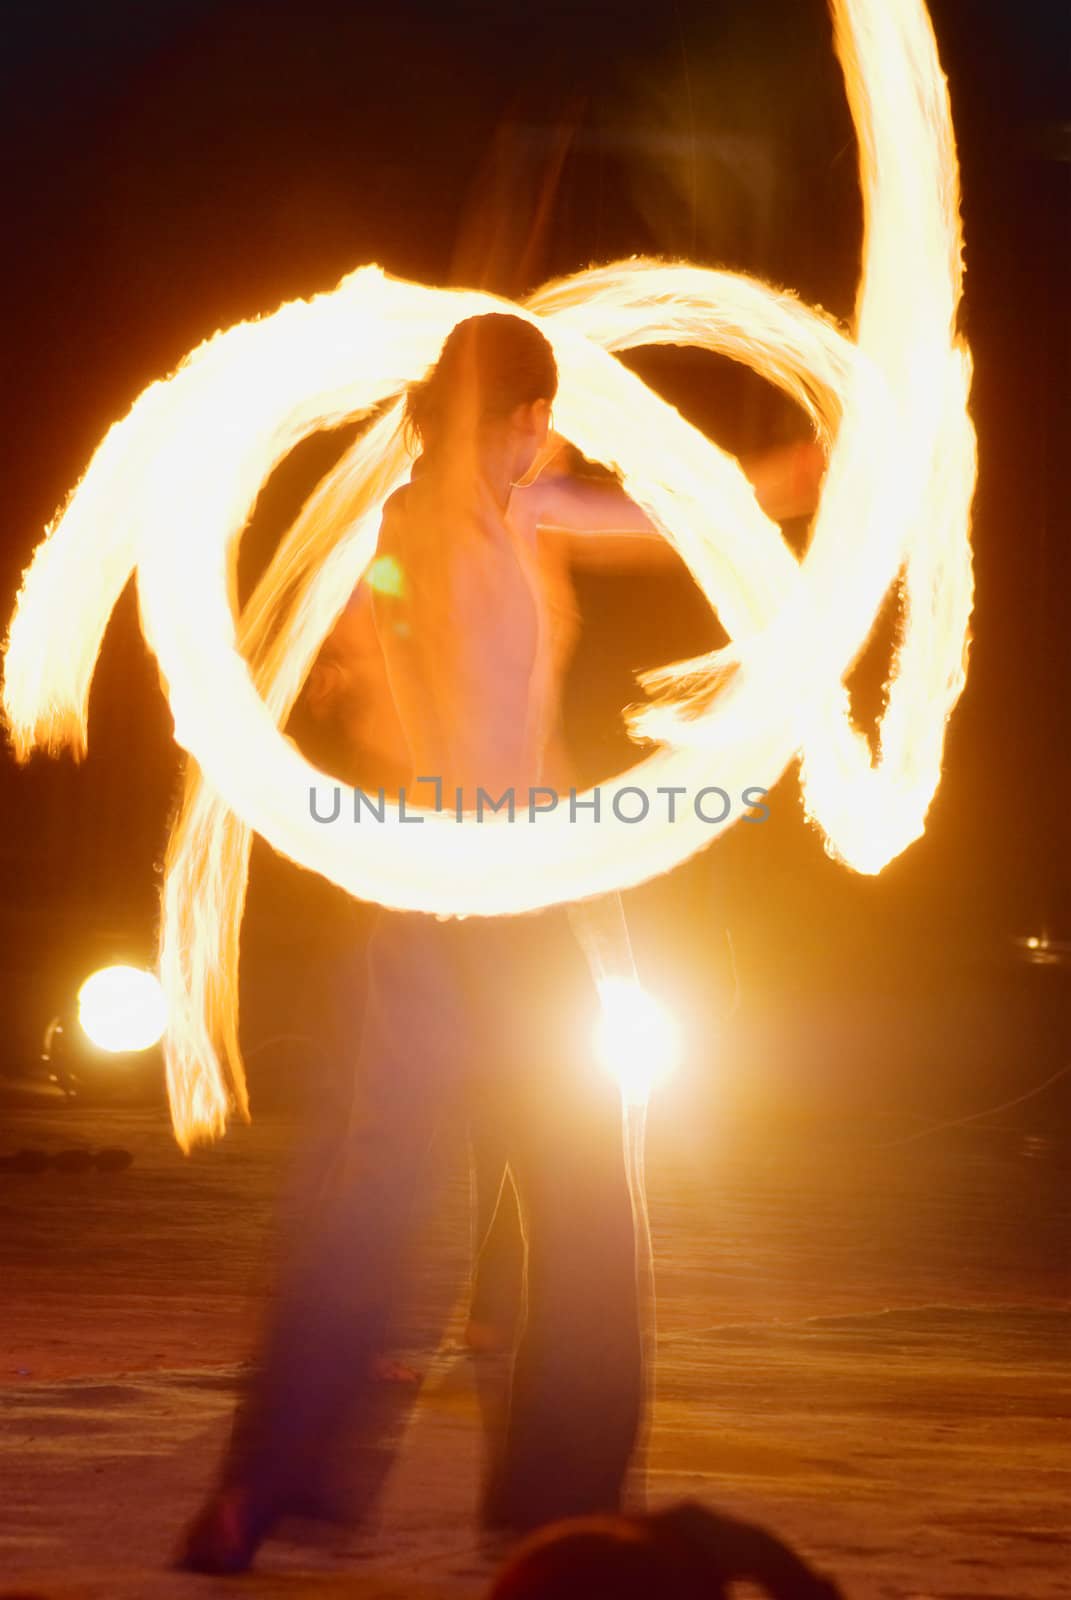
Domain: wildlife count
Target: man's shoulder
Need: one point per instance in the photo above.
(396, 504)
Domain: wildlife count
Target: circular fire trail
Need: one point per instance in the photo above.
(170, 489)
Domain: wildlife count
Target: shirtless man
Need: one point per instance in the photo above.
(478, 1018)
(349, 688)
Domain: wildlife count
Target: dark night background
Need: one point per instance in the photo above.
(173, 168)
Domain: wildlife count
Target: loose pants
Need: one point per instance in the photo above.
(487, 1023)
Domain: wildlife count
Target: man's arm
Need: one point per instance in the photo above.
(600, 527)
(787, 479)
(326, 684)
(595, 523)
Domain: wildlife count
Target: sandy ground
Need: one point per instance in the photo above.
(864, 1348)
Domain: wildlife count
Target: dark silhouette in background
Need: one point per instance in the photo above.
(685, 1552)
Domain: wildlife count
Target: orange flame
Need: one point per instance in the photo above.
(169, 491)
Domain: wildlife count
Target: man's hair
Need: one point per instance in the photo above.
(488, 366)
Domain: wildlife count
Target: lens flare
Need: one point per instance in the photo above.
(122, 1009)
(635, 1039)
(169, 492)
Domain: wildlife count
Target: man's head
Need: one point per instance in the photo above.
(493, 385)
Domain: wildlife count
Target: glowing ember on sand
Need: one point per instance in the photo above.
(170, 489)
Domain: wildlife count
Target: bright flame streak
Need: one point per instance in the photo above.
(635, 1038)
(895, 505)
(122, 1009)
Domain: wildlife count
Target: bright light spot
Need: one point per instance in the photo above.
(636, 1038)
(122, 1008)
(385, 576)
(1033, 943)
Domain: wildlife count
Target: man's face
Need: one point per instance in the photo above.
(531, 429)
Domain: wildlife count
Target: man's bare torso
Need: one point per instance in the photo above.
(474, 639)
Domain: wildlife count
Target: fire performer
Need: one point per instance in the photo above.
(476, 1019)
(353, 730)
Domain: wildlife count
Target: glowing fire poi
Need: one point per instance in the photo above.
(122, 1009)
(635, 1038)
(170, 489)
